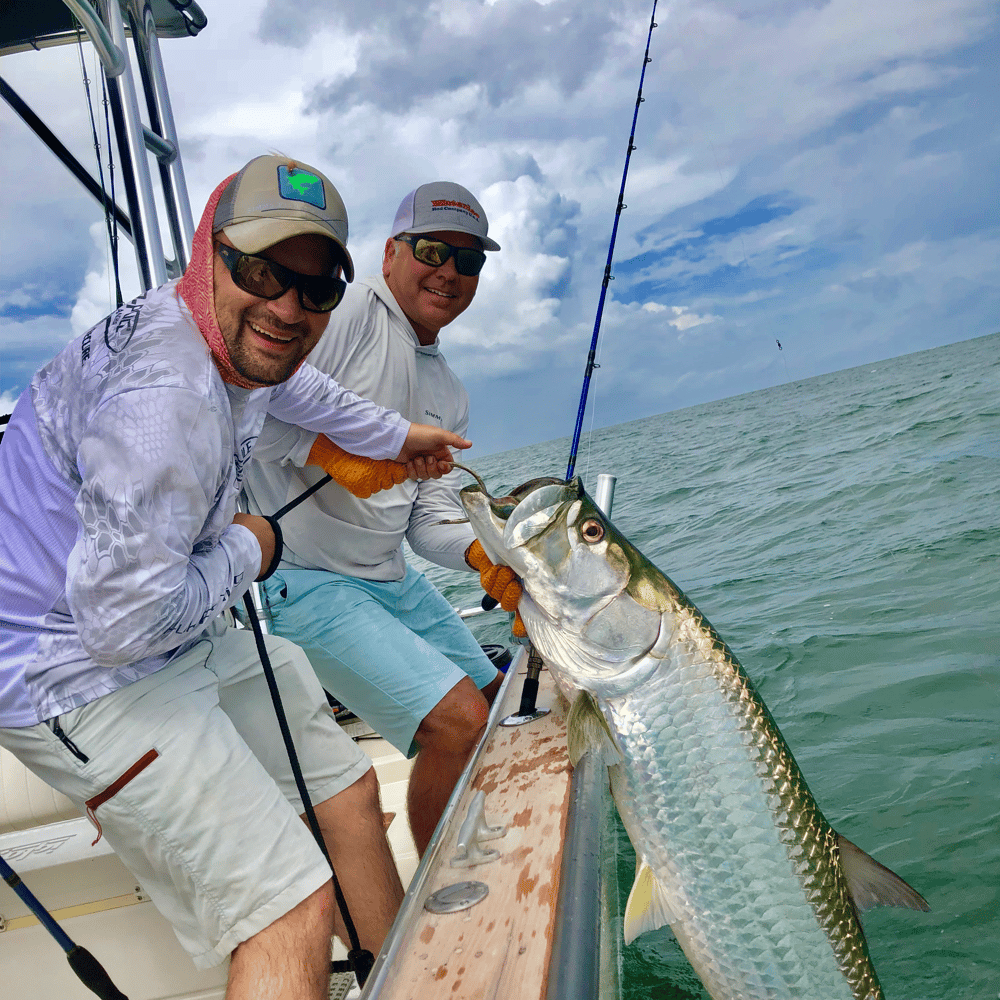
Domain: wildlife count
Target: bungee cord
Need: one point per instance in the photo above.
(359, 960)
(608, 277)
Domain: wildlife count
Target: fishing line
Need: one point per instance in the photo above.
(110, 221)
(608, 277)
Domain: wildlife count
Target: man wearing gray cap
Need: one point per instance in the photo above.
(382, 640)
(120, 548)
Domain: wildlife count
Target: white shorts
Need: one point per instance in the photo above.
(207, 817)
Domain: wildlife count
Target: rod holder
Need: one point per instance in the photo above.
(528, 711)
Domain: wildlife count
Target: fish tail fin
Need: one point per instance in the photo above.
(647, 906)
(872, 884)
(588, 729)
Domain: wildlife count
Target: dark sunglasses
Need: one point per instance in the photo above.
(434, 253)
(269, 280)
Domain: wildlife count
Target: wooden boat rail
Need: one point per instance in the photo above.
(543, 931)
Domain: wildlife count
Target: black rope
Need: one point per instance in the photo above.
(292, 504)
(608, 276)
(360, 959)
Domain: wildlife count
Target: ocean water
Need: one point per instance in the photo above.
(842, 533)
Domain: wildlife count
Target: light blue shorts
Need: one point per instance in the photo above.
(389, 651)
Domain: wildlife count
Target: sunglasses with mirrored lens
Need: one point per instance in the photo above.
(434, 253)
(318, 293)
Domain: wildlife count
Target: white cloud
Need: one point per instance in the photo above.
(868, 126)
(684, 320)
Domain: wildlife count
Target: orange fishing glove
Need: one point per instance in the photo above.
(361, 476)
(500, 582)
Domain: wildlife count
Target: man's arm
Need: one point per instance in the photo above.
(317, 403)
(444, 544)
(141, 579)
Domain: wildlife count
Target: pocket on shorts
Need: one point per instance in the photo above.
(54, 725)
(115, 787)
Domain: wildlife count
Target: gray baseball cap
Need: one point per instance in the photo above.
(274, 198)
(442, 206)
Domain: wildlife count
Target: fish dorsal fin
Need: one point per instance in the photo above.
(871, 884)
(647, 906)
(587, 729)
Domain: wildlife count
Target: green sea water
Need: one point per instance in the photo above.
(842, 533)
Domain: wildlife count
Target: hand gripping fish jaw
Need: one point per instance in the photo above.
(499, 509)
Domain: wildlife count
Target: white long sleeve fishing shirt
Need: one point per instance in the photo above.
(370, 346)
(119, 475)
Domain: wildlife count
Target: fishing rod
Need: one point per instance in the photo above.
(89, 971)
(608, 277)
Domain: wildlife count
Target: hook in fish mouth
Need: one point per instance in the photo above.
(504, 506)
(475, 475)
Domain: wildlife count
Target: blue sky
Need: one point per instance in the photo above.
(823, 174)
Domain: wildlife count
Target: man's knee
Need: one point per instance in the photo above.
(491, 689)
(456, 719)
(311, 917)
(361, 800)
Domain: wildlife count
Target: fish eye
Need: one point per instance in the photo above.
(592, 530)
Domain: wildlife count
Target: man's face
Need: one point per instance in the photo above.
(268, 338)
(431, 297)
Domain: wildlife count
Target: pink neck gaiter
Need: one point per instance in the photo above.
(197, 288)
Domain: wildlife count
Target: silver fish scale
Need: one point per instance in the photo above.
(713, 800)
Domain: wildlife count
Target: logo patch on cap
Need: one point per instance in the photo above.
(444, 203)
(301, 185)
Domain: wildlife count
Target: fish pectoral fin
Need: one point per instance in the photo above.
(588, 729)
(647, 906)
(871, 884)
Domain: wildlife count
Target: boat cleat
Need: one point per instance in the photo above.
(475, 831)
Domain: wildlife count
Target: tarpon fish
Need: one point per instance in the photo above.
(732, 850)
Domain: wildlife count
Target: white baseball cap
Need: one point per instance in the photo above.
(442, 206)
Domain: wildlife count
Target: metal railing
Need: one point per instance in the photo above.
(106, 29)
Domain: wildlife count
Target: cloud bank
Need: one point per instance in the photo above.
(822, 175)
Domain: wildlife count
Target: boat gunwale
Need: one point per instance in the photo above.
(413, 900)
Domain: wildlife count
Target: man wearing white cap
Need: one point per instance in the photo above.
(382, 640)
(120, 547)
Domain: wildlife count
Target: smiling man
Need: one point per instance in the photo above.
(120, 548)
(382, 640)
